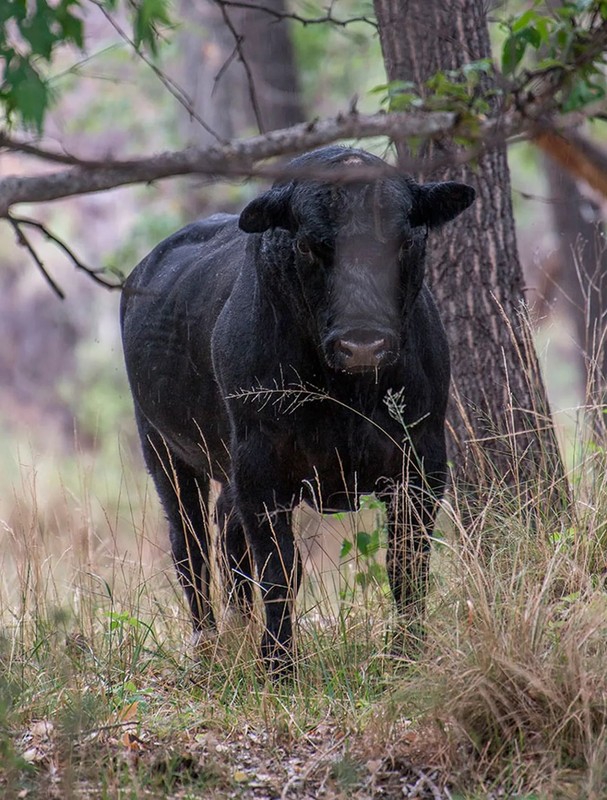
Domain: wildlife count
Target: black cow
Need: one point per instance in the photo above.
(293, 353)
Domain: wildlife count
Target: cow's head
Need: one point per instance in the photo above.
(358, 247)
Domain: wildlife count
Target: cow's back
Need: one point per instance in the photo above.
(188, 254)
(169, 306)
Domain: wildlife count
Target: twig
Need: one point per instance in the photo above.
(45, 155)
(24, 242)
(172, 87)
(238, 39)
(280, 15)
(94, 274)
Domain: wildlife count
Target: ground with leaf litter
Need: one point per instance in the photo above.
(322, 763)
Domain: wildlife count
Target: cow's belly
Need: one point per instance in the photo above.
(336, 476)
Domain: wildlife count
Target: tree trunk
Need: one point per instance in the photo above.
(500, 419)
(267, 49)
(582, 256)
(214, 83)
(229, 98)
(231, 95)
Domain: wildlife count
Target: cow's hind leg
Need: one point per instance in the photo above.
(184, 495)
(234, 555)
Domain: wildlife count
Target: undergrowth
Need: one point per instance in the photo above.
(101, 696)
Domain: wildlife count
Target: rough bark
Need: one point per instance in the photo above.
(499, 415)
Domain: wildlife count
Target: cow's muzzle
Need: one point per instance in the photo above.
(360, 352)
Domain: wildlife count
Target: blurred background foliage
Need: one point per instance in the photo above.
(63, 390)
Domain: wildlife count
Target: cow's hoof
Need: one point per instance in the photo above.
(203, 643)
(234, 620)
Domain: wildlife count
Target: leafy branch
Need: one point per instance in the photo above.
(31, 33)
(553, 60)
(469, 118)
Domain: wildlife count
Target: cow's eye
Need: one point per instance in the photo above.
(303, 248)
(405, 249)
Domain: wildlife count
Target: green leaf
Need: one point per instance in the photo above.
(370, 501)
(71, 26)
(513, 52)
(16, 10)
(582, 93)
(403, 102)
(26, 93)
(548, 63)
(524, 20)
(148, 15)
(482, 66)
(346, 547)
(363, 541)
(38, 31)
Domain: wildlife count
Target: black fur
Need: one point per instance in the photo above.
(263, 351)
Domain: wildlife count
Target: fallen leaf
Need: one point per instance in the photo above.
(128, 712)
(131, 742)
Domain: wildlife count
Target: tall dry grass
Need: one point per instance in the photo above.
(99, 693)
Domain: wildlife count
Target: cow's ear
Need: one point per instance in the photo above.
(438, 203)
(272, 209)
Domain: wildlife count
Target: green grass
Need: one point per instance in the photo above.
(100, 695)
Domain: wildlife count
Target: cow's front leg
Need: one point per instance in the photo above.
(265, 506)
(411, 510)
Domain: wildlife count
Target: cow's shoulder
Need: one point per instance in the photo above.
(189, 246)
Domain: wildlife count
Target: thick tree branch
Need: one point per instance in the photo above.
(533, 112)
(238, 158)
(241, 156)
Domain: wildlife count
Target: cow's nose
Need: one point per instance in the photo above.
(361, 355)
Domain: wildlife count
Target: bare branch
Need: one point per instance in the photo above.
(25, 242)
(28, 149)
(240, 157)
(237, 158)
(97, 275)
(328, 17)
(250, 82)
